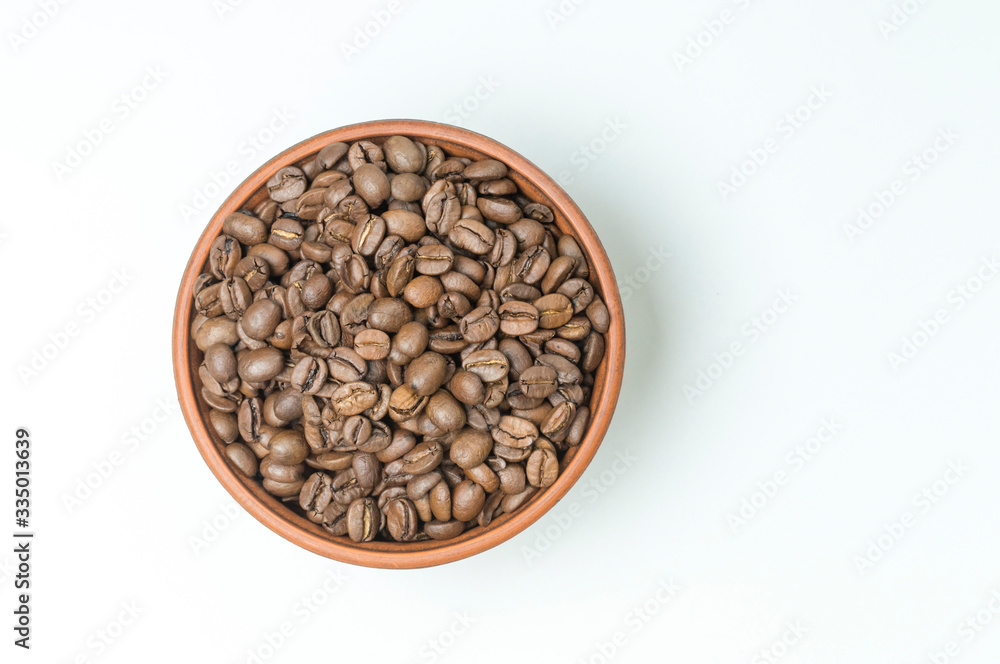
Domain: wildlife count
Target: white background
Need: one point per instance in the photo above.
(210, 587)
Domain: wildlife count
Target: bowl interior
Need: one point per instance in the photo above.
(283, 519)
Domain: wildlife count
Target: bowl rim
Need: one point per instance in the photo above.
(387, 555)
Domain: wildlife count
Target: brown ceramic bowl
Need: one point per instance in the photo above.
(293, 526)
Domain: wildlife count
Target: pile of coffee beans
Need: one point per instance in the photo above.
(397, 341)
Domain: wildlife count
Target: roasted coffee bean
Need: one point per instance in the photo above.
(518, 318)
(388, 314)
(246, 228)
(560, 270)
(280, 472)
(371, 184)
(425, 374)
(532, 265)
(423, 291)
(593, 352)
(260, 366)
(485, 169)
(402, 155)
(288, 448)
(346, 365)
(224, 256)
(367, 469)
(309, 375)
(242, 459)
(220, 362)
(364, 520)
(470, 448)
(456, 282)
(254, 271)
(489, 365)
(500, 210)
(347, 488)
(512, 479)
(287, 233)
(467, 387)
(276, 259)
(433, 259)
(408, 187)
(408, 226)
(353, 398)
(372, 344)
(554, 310)
(539, 382)
(411, 340)
(224, 424)
(208, 301)
(401, 519)
(405, 403)
(479, 324)
(423, 458)
(453, 305)
(599, 316)
(515, 432)
(576, 329)
(445, 411)
(441, 207)
(282, 489)
(317, 493)
(484, 476)
(235, 297)
(287, 184)
(402, 339)
(440, 499)
(467, 500)
(472, 236)
(444, 530)
(558, 421)
(420, 485)
(542, 468)
(568, 373)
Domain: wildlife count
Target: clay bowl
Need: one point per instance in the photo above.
(281, 518)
